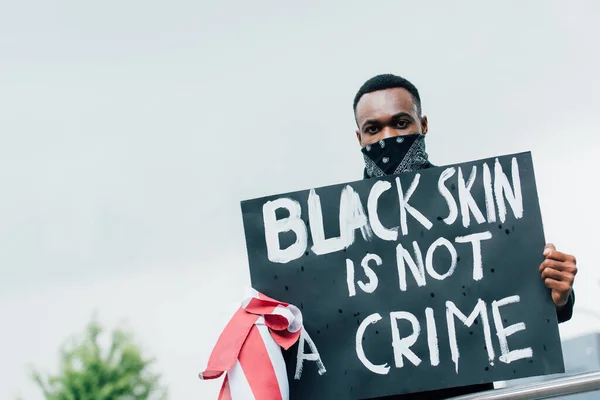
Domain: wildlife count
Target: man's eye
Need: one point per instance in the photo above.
(372, 129)
(402, 124)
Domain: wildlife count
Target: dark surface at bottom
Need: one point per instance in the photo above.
(440, 394)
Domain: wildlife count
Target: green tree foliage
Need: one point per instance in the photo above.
(89, 372)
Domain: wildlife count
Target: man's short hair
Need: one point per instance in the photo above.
(388, 81)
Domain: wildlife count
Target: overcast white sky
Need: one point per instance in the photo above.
(130, 131)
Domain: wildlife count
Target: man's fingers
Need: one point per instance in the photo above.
(553, 274)
(557, 275)
(558, 256)
(565, 266)
(556, 285)
(551, 253)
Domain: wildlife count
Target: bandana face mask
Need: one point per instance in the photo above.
(395, 155)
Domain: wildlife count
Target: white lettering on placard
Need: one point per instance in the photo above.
(312, 356)
(352, 217)
(429, 259)
(467, 202)
(417, 268)
(503, 333)
(445, 192)
(380, 231)
(371, 285)
(480, 309)
(402, 345)
(381, 369)
(407, 208)
(432, 339)
(317, 231)
(502, 189)
(273, 227)
(403, 340)
(489, 194)
(475, 239)
(350, 277)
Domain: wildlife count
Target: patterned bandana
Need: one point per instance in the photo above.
(394, 155)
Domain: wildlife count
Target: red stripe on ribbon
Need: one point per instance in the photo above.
(229, 344)
(257, 367)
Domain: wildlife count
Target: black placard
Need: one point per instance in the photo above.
(415, 225)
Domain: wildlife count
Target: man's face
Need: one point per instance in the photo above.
(387, 113)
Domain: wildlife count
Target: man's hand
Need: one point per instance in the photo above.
(558, 272)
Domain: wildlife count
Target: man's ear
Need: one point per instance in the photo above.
(359, 137)
(424, 124)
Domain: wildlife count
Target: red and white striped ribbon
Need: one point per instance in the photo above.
(249, 350)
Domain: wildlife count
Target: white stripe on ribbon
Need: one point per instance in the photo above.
(276, 356)
(238, 384)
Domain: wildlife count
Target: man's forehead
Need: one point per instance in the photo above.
(384, 103)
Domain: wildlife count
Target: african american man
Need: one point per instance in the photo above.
(391, 131)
